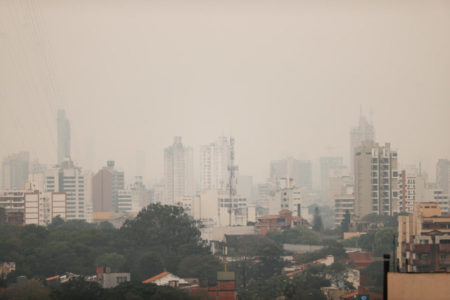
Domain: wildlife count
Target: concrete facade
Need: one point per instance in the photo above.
(376, 180)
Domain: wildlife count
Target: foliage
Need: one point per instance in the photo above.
(165, 231)
(113, 260)
(375, 272)
(384, 239)
(345, 225)
(31, 290)
(367, 241)
(161, 237)
(259, 258)
(77, 288)
(351, 242)
(297, 235)
(203, 267)
(332, 248)
(306, 285)
(317, 221)
(388, 221)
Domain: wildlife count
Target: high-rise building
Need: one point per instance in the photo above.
(376, 179)
(77, 184)
(244, 187)
(412, 189)
(106, 185)
(443, 175)
(299, 171)
(134, 197)
(365, 131)
(63, 136)
(178, 171)
(327, 165)
(214, 160)
(15, 169)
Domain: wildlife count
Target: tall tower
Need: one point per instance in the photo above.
(63, 132)
(178, 171)
(231, 179)
(376, 179)
(363, 132)
(214, 160)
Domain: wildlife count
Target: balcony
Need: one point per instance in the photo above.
(421, 262)
(421, 248)
(444, 247)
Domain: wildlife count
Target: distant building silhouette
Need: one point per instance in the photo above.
(15, 169)
(63, 136)
(363, 132)
(178, 171)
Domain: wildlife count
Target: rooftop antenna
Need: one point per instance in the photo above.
(231, 169)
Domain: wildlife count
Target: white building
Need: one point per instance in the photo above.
(412, 189)
(178, 171)
(77, 184)
(214, 161)
(218, 208)
(41, 208)
(125, 200)
(438, 196)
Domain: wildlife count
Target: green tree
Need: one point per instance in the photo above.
(31, 290)
(297, 235)
(367, 241)
(384, 241)
(113, 260)
(78, 288)
(345, 225)
(203, 267)
(317, 220)
(167, 232)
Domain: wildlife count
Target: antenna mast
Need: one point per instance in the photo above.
(231, 169)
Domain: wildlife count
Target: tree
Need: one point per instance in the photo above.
(138, 290)
(31, 290)
(297, 235)
(345, 225)
(203, 267)
(317, 221)
(167, 232)
(384, 239)
(113, 260)
(78, 288)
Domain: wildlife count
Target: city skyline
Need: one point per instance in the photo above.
(296, 96)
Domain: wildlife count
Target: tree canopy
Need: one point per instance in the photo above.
(159, 238)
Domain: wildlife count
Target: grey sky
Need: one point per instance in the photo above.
(283, 77)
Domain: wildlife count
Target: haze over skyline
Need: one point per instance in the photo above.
(284, 80)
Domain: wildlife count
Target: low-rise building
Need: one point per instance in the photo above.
(343, 203)
(108, 279)
(424, 239)
(278, 223)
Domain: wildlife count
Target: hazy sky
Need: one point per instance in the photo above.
(282, 77)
